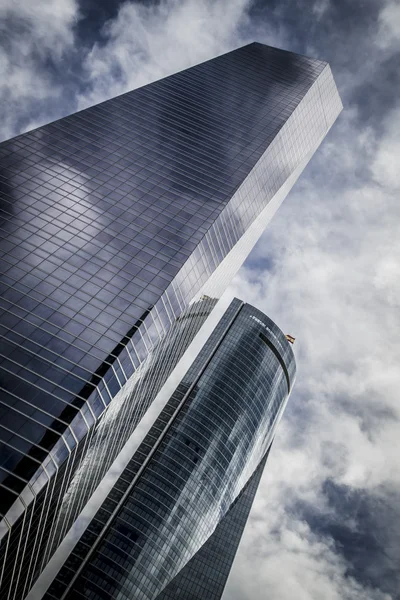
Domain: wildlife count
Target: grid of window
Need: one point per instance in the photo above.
(205, 575)
(128, 475)
(236, 389)
(114, 218)
(103, 208)
(104, 445)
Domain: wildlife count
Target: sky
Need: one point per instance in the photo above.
(326, 520)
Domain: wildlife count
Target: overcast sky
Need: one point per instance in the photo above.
(326, 524)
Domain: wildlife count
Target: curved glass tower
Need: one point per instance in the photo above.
(188, 487)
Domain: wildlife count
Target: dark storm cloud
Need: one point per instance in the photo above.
(94, 14)
(365, 529)
(375, 96)
(321, 24)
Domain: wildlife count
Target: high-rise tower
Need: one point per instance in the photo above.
(115, 218)
(171, 524)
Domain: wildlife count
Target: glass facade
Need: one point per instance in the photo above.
(188, 474)
(113, 221)
(204, 577)
(128, 408)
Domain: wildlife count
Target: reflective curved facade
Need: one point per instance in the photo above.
(202, 451)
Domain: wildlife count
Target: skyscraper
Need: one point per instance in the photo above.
(171, 524)
(115, 219)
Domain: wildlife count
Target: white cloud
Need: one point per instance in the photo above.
(389, 25)
(46, 26)
(32, 33)
(145, 43)
(320, 7)
(385, 166)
